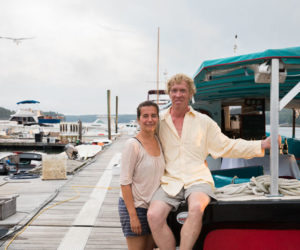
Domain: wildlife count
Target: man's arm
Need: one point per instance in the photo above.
(219, 145)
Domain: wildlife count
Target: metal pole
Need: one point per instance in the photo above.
(294, 123)
(116, 122)
(108, 114)
(274, 113)
(157, 72)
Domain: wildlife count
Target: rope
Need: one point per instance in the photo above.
(259, 186)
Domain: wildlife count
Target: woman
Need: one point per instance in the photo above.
(142, 166)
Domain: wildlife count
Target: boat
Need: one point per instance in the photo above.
(251, 83)
(5, 159)
(50, 119)
(160, 97)
(29, 116)
(15, 162)
(130, 128)
(98, 124)
(26, 116)
(99, 127)
(101, 142)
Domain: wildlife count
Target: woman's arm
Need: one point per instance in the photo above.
(128, 199)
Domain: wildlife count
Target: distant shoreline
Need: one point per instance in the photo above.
(286, 125)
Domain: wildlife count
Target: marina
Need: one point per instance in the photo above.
(77, 208)
(74, 78)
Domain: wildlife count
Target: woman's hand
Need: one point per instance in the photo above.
(135, 224)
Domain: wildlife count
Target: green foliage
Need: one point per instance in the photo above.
(52, 113)
(5, 113)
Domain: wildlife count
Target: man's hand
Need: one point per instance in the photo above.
(266, 143)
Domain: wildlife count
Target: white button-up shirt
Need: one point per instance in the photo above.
(185, 156)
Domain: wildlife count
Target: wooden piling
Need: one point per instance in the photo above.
(108, 114)
(80, 130)
(116, 122)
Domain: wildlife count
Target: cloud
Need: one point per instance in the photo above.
(83, 48)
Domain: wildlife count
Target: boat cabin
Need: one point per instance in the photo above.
(236, 92)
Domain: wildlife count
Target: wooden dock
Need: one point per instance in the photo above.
(87, 217)
(31, 146)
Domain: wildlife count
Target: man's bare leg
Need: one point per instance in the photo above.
(157, 218)
(197, 202)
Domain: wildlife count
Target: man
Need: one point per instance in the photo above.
(187, 138)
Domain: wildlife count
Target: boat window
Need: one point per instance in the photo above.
(245, 121)
(231, 121)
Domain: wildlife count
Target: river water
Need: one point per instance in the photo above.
(286, 131)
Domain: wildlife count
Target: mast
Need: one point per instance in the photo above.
(157, 72)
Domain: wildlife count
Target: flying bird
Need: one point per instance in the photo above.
(15, 39)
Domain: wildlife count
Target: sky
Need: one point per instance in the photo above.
(79, 49)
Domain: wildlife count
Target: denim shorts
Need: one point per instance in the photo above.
(125, 220)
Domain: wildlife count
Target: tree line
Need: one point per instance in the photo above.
(285, 117)
(5, 113)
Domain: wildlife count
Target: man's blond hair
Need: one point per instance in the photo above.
(178, 78)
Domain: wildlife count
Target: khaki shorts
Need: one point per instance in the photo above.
(175, 201)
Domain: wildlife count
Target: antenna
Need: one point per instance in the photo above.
(235, 45)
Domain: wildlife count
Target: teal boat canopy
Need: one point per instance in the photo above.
(247, 76)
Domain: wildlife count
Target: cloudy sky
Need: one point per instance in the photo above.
(81, 48)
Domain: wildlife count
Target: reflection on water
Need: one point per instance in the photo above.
(286, 131)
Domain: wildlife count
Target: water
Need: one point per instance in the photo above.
(286, 131)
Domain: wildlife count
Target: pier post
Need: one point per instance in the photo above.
(108, 114)
(80, 131)
(116, 122)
